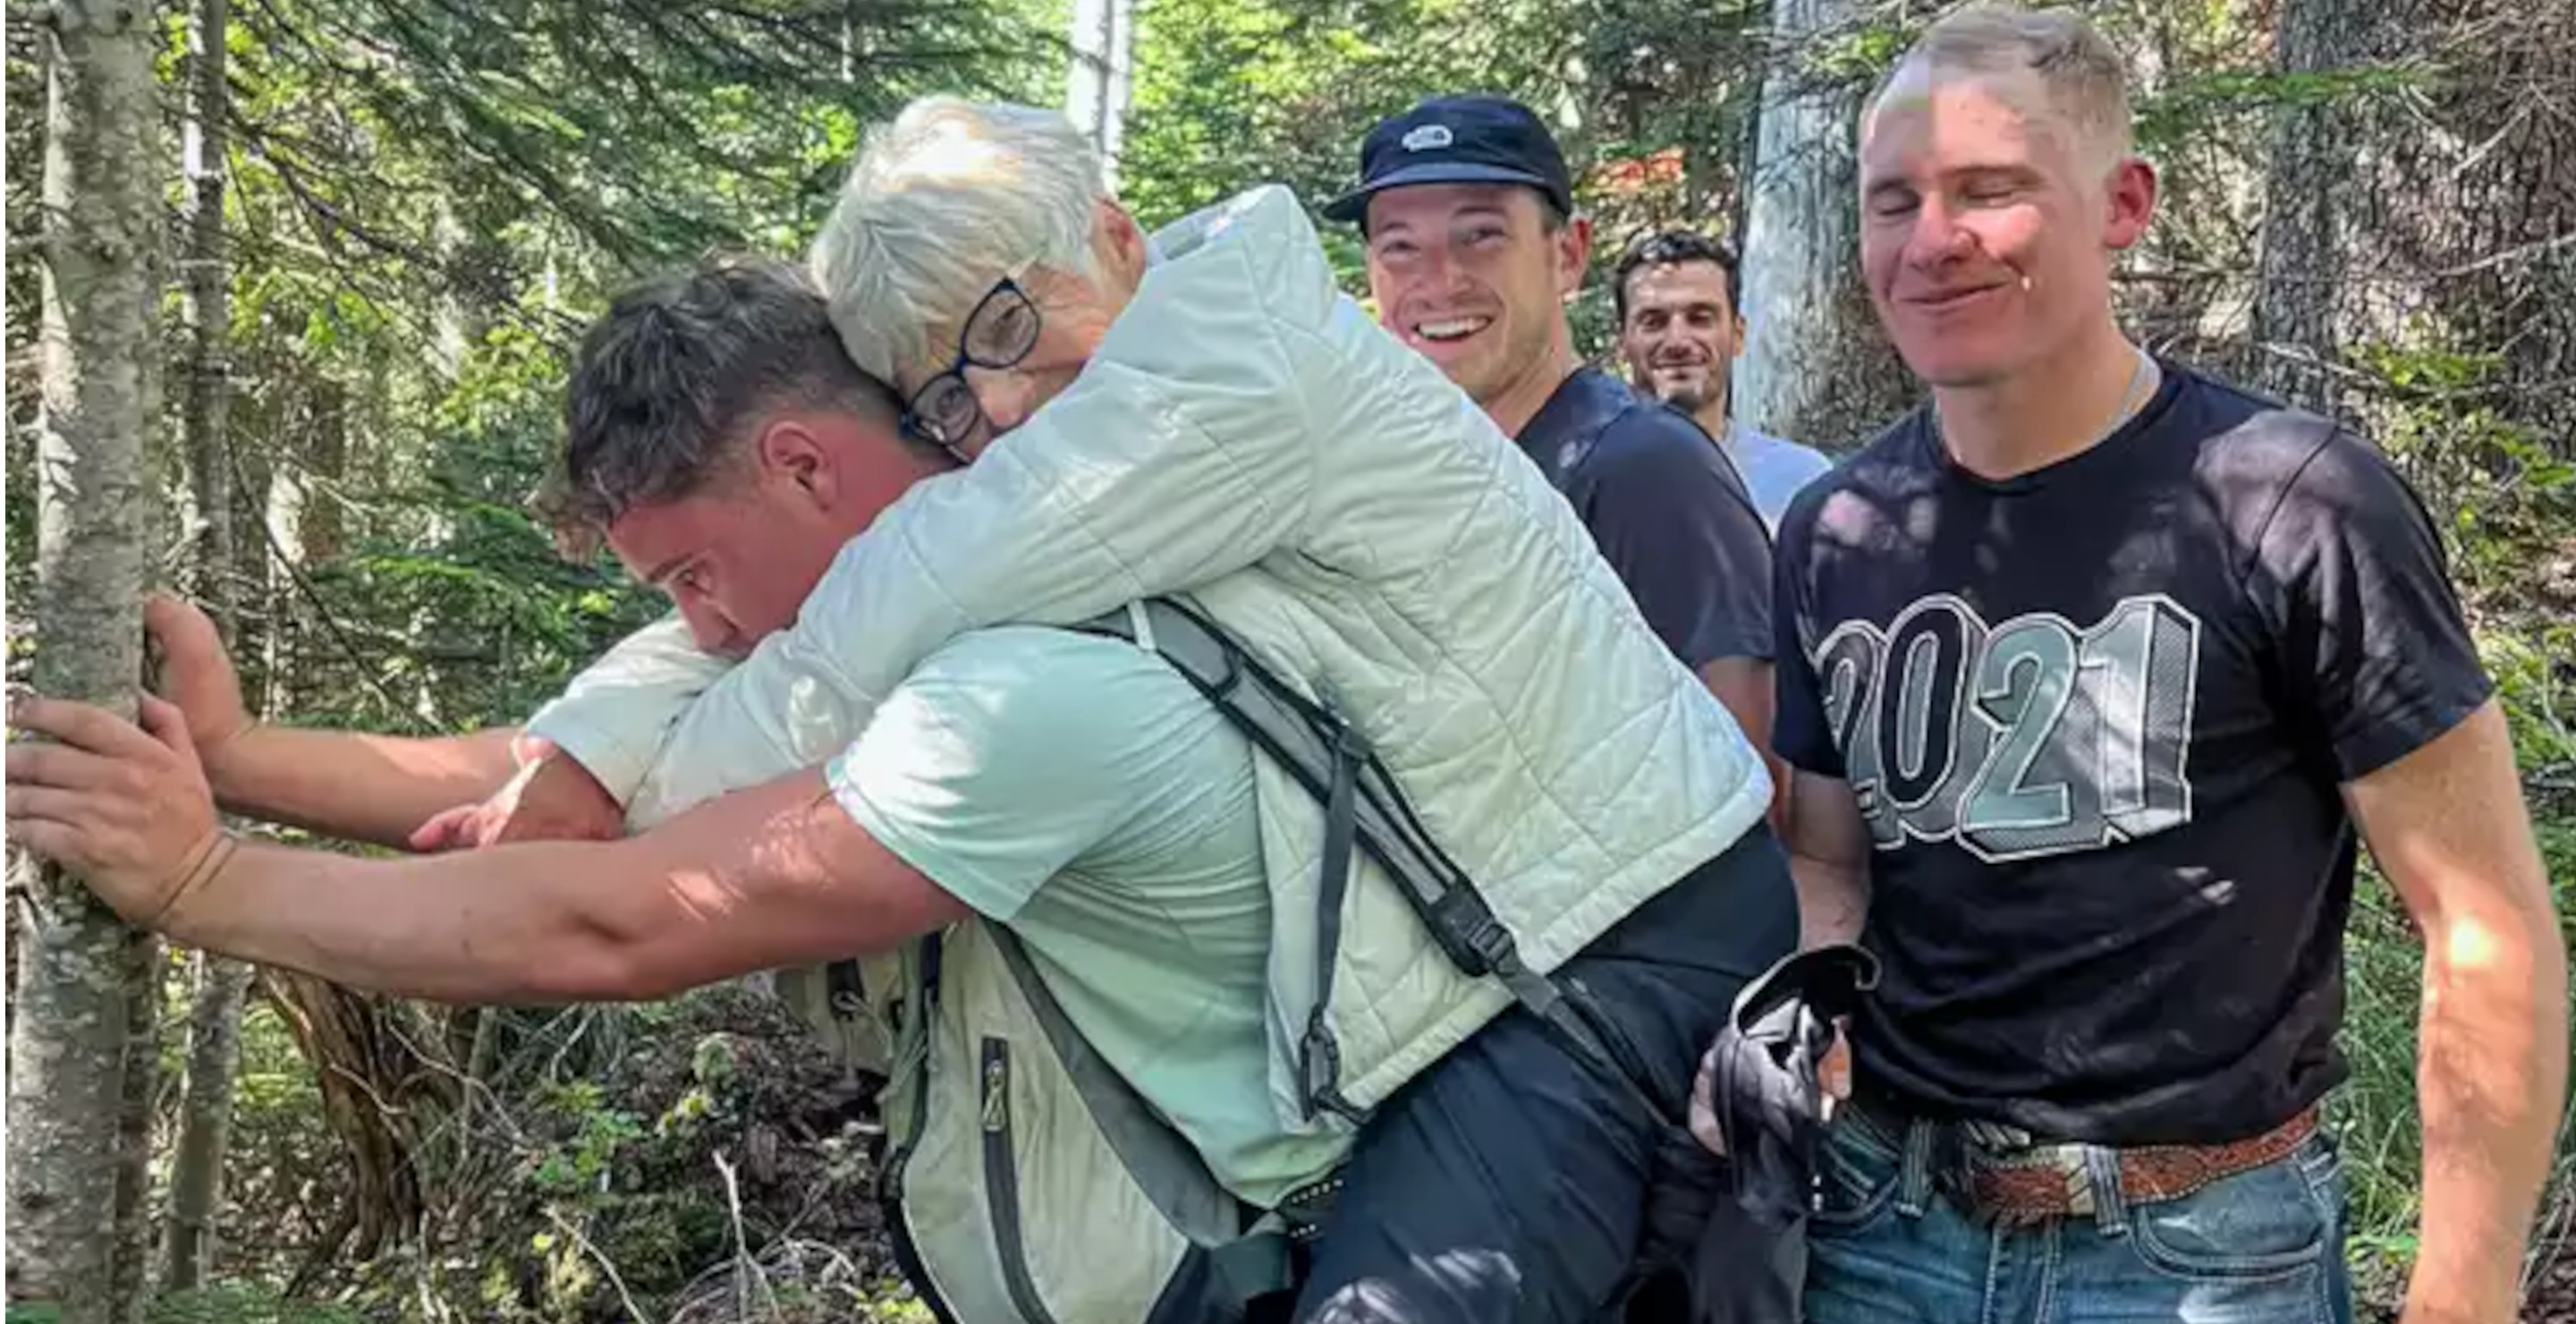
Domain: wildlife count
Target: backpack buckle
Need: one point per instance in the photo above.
(1476, 942)
(845, 992)
(1319, 1072)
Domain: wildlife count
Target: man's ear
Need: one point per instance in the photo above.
(791, 454)
(2132, 189)
(1573, 254)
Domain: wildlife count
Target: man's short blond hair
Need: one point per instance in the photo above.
(2086, 81)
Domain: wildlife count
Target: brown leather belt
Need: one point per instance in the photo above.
(2054, 1181)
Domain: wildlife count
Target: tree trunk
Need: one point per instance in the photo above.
(2494, 234)
(2295, 322)
(1816, 368)
(205, 1117)
(1096, 79)
(304, 529)
(143, 1005)
(100, 381)
(218, 990)
(2435, 218)
(320, 529)
(207, 278)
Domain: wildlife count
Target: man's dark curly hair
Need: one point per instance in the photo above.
(1663, 249)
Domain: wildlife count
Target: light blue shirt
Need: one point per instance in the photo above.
(1773, 470)
(1078, 790)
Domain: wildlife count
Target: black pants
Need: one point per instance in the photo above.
(1509, 1181)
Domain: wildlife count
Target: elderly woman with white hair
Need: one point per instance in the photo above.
(1205, 412)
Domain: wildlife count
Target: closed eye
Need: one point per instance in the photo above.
(1987, 187)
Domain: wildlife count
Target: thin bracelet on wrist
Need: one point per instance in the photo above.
(210, 862)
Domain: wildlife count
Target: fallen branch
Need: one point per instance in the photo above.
(633, 1311)
(747, 1270)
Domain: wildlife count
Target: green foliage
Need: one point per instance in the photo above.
(2532, 675)
(2506, 505)
(2186, 104)
(1232, 94)
(1864, 53)
(242, 1303)
(578, 1166)
(617, 1165)
(2505, 499)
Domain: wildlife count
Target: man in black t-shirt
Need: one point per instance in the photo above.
(1473, 246)
(2091, 672)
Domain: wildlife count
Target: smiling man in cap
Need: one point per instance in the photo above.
(1474, 245)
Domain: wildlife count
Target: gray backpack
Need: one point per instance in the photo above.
(1024, 1182)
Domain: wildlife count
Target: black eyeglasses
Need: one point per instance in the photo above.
(999, 333)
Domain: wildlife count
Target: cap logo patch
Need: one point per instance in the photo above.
(1428, 137)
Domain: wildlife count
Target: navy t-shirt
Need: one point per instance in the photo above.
(1667, 511)
(2097, 717)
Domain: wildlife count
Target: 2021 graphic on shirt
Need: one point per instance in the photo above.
(2032, 737)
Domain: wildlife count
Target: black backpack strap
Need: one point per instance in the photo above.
(1161, 1163)
(1319, 1058)
(1364, 806)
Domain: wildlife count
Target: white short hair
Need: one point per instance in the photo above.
(950, 197)
(2082, 74)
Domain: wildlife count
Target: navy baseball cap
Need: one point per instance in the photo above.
(1458, 140)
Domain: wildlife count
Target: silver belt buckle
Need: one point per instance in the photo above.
(2011, 1146)
(2068, 1162)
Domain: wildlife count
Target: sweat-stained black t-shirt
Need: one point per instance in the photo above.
(2096, 717)
(1667, 510)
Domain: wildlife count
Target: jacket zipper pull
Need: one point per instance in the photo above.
(997, 1094)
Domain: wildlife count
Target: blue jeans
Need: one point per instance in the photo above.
(2262, 1247)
